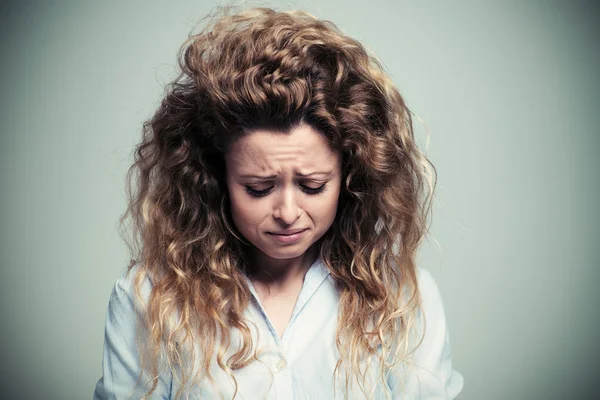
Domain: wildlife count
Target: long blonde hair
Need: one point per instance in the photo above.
(262, 68)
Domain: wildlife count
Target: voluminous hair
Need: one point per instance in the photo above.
(256, 69)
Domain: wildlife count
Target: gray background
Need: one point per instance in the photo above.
(509, 91)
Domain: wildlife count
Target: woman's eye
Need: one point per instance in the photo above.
(264, 192)
(310, 190)
(258, 193)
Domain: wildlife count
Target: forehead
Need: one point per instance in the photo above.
(272, 151)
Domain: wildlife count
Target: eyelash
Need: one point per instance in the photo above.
(307, 190)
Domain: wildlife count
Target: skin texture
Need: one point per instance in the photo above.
(278, 269)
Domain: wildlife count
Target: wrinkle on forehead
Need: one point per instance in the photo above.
(275, 153)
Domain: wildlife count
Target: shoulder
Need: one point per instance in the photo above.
(431, 298)
(432, 359)
(124, 342)
(431, 316)
(126, 297)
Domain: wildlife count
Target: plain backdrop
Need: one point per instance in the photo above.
(508, 90)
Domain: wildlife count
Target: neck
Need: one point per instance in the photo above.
(277, 273)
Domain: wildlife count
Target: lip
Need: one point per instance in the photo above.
(288, 238)
(288, 232)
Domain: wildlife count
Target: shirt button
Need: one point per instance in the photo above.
(281, 364)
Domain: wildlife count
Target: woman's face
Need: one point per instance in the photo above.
(283, 183)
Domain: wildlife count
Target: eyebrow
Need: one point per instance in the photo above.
(326, 173)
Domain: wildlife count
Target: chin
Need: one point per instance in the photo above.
(284, 254)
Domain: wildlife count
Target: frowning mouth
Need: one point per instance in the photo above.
(292, 237)
(287, 233)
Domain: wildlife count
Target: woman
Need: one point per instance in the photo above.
(279, 199)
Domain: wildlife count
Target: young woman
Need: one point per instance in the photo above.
(279, 198)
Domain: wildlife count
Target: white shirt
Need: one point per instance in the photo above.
(297, 366)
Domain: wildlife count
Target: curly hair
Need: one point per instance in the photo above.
(254, 69)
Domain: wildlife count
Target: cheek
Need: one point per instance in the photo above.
(325, 210)
(245, 212)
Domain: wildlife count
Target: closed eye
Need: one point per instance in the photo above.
(305, 189)
(258, 193)
(310, 190)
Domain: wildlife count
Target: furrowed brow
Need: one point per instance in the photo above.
(324, 173)
(258, 176)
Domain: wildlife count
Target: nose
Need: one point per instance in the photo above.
(287, 209)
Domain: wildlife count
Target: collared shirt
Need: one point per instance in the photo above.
(297, 366)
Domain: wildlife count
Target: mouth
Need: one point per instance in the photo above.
(288, 238)
(287, 233)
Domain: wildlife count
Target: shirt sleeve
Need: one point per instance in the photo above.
(121, 359)
(430, 376)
